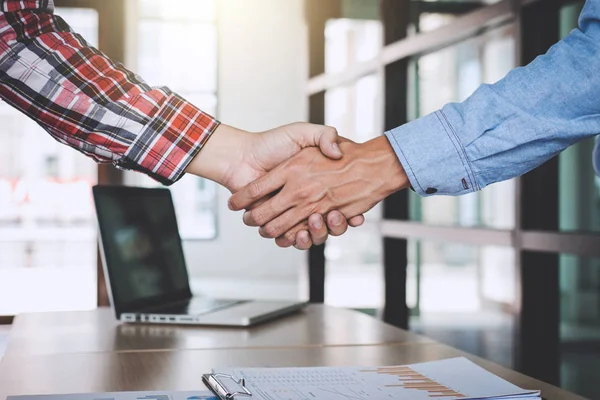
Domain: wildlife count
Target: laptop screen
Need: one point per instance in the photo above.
(142, 248)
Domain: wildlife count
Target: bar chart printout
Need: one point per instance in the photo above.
(456, 378)
(410, 379)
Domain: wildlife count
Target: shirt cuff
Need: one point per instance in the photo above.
(170, 141)
(432, 156)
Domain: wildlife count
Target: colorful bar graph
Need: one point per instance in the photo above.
(411, 379)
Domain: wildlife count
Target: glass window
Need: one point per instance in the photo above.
(458, 292)
(454, 277)
(579, 198)
(580, 324)
(349, 41)
(163, 36)
(47, 219)
(579, 186)
(428, 16)
(354, 259)
(451, 75)
(190, 11)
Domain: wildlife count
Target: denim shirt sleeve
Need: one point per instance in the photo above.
(506, 129)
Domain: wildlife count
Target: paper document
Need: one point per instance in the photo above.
(456, 378)
(199, 395)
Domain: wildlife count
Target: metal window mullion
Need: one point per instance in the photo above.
(461, 28)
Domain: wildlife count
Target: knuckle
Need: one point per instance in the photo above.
(290, 236)
(255, 189)
(271, 230)
(306, 192)
(256, 217)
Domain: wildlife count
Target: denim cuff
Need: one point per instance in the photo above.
(433, 157)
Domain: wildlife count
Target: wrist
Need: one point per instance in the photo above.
(220, 155)
(387, 165)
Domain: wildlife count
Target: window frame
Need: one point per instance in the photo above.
(536, 237)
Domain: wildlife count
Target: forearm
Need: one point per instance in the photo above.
(215, 161)
(85, 100)
(508, 128)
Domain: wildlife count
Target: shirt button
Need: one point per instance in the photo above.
(431, 191)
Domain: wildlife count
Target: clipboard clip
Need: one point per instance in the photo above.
(220, 389)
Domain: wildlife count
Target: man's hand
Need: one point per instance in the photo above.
(319, 229)
(234, 158)
(310, 183)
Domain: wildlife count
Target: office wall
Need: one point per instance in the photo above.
(262, 76)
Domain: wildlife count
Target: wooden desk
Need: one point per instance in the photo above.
(97, 331)
(88, 352)
(181, 370)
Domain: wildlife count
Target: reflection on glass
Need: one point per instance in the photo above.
(355, 110)
(579, 196)
(579, 210)
(186, 10)
(459, 294)
(195, 199)
(349, 41)
(580, 324)
(429, 21)
(354, 260)
(353, 273)
(84, 21)
(459, 278)
(47, 219)
(428, 16)
(193, 71)
(451, 75)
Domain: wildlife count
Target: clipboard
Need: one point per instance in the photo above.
(215, 382)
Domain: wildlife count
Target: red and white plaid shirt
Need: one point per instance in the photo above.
(85, 100)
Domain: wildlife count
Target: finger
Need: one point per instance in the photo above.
(267, 211)
(356, 221)
(256, 190)
(327, 139)
(261, 201)
(289, 238)
(337, 224)
(303, 241)
(284, 242)
(283, 223)
(317, 229)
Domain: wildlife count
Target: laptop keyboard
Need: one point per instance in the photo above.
(201, 305)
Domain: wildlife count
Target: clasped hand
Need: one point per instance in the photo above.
(234, 158)
(287, 201)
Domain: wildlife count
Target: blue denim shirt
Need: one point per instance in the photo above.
(506, 129)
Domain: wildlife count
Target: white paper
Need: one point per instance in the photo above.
(456, 378)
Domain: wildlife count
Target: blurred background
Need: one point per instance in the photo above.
(471, 270)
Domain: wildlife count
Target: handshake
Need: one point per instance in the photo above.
(301, 182)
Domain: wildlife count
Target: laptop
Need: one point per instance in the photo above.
(145, 269)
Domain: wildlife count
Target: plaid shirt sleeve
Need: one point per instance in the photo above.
(85, 100)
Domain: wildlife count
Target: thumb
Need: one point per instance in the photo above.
(328, 142)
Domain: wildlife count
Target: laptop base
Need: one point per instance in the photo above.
(244, 314)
